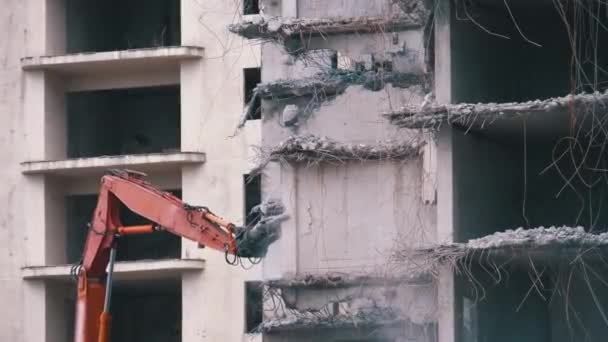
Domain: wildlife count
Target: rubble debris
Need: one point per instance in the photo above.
(280, 29)
(290, 115)
(482, 114)
(365, 318)
(413, 7)
(343, 280)
(312, 150)
(254, 241)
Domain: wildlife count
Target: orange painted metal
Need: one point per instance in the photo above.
(105, 321)
(89, 306)
(136, 230)
(161, 208)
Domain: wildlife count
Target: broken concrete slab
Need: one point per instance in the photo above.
(539, 245)
(345, 280)
(280, 28)
(483, 114)
(336, 81)
(311, 149)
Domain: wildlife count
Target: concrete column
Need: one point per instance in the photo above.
(35, 220)
(44, 222)
(212, 93)
(45, 117)
(33, 110)
(55, 35)
(445, 183)
(34, 295)
(46, 27)
(282, 259)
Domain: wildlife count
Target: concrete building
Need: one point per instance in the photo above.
(155, 86)
(409, 139)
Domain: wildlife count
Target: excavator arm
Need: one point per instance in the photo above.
(166, 212)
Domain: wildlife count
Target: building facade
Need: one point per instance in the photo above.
(442, 164)
(154, 86)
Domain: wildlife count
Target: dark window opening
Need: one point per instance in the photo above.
(159, 245)
(253, 197)
(144, 312)
(93, 26)
(125, 121)
(537, 59)
(254, 309)
(251, 7)
(253, 77)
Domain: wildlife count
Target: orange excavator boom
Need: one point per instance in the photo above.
(165, 212)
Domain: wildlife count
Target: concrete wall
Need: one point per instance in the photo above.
(346, 216)
(12, 36)
(347, 8)
(212, 100)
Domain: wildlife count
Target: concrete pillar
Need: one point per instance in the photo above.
(46, 28)
(34, 295)
(45, 117)
(445, 183)
(212, 103)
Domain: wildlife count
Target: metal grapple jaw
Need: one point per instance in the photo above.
(253, 241)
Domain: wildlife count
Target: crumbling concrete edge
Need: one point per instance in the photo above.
(279, 29)
(311, 150)
(433, 115)
(344, 280)
(503, 248)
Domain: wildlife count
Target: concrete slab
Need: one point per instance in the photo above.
(124, 271)
(141, 162)
(150, 59)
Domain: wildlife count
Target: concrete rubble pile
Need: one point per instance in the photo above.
(312, 150)
(432, 115)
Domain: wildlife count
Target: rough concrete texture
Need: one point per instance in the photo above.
(354, 306)
(352, 181)
(431, 115)
(373, 317)
(12, 235)
(312, 150)
(541, 236)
